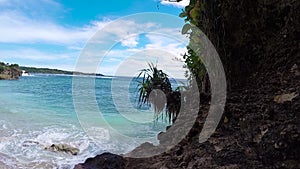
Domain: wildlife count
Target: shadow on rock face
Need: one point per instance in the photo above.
(103, 161)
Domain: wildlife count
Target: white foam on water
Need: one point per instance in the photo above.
(24, 148)
(22, 145)
(99, 134)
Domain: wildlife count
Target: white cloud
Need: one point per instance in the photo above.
(3, 2)
(133, 64)
(173, 46)
(34, 55)
(161, 49)
(131, 41)
(17, 28)
(126, 31)
(180, 4)
(36, 22)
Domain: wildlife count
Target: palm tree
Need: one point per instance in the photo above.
(155, 89)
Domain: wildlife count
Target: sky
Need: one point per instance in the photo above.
(112, 37)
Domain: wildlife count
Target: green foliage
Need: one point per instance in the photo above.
(191, 13)
(192, 58)
(153, 78)
(195, 66)
(2, 64)
(8, 71)
(182, 15)
(153, 81)
(45, 70)
(55, 71)
(173, 105)
(8, 66)
(186, 28)
(1, 69)
(156, 79)
(14, 66)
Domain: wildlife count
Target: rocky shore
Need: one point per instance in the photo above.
(255, 132)
(260, 128)
(9, 72)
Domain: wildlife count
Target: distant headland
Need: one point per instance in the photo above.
(14, 71)
(9, 71)
(35, 70)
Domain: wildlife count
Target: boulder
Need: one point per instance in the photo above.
(63, 148)
(103, 161)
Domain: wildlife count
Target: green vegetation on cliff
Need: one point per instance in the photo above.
(54, 71)
(13, 71)
(45, 70)
(154, 86)
(9, 71)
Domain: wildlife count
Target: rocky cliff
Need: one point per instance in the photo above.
(258, 42)
(9, 72)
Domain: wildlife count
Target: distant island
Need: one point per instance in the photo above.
(14, 71)
(55, 71)
(44, 70)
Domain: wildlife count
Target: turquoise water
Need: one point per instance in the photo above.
(41, 110)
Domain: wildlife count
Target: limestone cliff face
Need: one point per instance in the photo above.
(9, 72)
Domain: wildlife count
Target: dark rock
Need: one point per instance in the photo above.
(103, 161)
(230, 155)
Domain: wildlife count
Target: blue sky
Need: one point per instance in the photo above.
(54, 34)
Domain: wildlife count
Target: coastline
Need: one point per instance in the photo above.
(260, 128)
(9, 71)
(35, 116)
(234, 145)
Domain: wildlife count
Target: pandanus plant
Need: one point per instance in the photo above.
(155, 89)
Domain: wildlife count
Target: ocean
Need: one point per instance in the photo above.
(93, 114)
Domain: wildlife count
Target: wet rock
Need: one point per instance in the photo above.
(63, 148)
